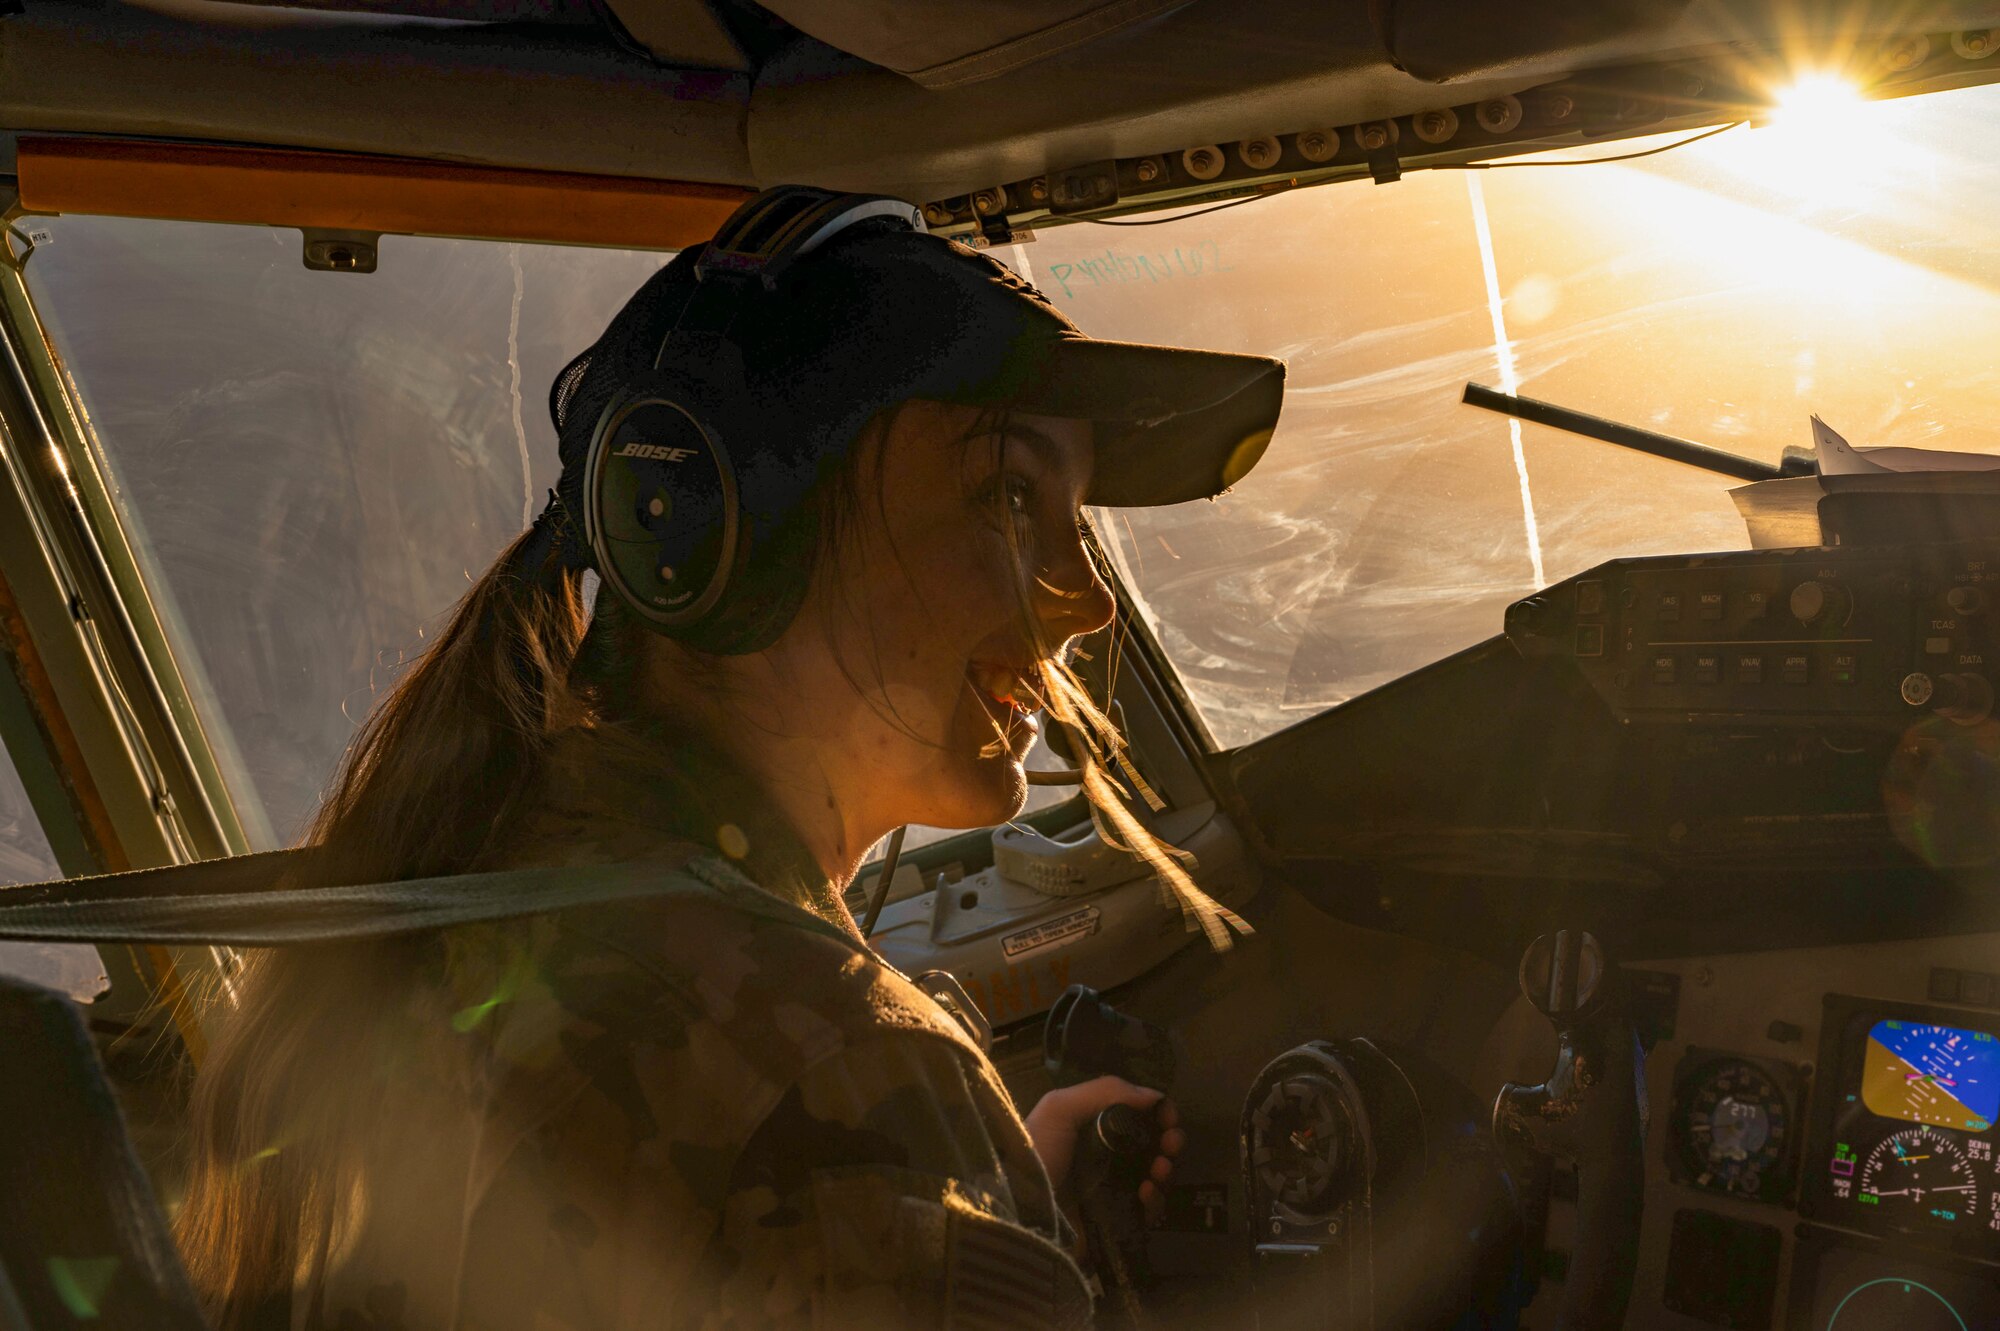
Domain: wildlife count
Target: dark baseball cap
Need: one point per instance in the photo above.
(880, 314)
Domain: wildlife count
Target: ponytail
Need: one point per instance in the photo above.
(428, 787)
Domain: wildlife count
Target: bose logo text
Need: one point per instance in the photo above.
(655, 452)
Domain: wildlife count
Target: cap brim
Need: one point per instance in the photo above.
(1174, 424)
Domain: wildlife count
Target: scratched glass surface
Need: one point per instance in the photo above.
(25, 857)
(1724, 292)
(314, 465)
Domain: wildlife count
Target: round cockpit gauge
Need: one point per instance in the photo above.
(1732, 1126)
(1297, 1141)
(1920, 1176)
(1907, 1305)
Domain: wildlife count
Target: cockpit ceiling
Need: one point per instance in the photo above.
(922, 98)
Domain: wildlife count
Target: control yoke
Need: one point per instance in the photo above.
(1592, 1112)
(1085, 1037)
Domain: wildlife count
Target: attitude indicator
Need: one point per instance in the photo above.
(1940, 1075)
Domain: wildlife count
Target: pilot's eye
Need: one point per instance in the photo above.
(1012, 494)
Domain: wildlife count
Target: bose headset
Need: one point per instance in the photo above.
(677, 494)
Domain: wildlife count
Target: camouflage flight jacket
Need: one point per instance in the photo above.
(712, 1110)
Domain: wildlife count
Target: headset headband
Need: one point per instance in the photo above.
(780, 226)
(686, 508)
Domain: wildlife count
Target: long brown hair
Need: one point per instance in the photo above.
(437, 769)
(432, 785)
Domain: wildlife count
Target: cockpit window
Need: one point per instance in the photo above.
(25, 857)
(313, 465)
(1841, 263)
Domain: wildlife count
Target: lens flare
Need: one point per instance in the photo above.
(1822, 144)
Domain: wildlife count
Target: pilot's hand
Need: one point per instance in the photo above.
(1058, 1117)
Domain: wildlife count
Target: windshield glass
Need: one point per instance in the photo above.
(25, 857)
(1723, 291)
(313, 466)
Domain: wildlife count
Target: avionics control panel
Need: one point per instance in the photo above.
(1901, 1188)
(1902, 1135)
(1874, 634)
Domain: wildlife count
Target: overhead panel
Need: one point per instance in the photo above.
(1228, 75)
(551, 99)
(949, 43)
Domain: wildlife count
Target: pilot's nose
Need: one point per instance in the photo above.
(1070, 598)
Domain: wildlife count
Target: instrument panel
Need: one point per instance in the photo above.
(1901, 1186)
(1866, 634)
(1902, 1138)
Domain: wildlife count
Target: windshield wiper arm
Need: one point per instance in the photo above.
(1629, 436)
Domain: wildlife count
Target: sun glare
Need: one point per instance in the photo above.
(1817, 102)
(1823, 144)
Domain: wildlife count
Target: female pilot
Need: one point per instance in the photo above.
(833, 608)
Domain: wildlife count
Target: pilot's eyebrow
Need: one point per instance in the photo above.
(1048, 451)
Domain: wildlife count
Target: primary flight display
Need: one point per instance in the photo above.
(1939, 1075)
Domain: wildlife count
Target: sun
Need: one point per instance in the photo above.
(1823, 143)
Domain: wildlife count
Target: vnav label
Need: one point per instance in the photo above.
(1051, 933)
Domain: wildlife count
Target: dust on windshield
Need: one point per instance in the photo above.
(313, 465)
(1724, 291)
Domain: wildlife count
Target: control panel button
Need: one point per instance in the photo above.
(1917, 688)
(1708, 668)
(1750, 668)
(1665, 668)
(1846, 668)
(1590, 639)
(1937, 646)
(1669, 606)
(1966, 600)
(1756, 604)
(1796, 668)
(1709, 605)
(1589, 599)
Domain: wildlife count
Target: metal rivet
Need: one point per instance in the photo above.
(1973, 43)
(1319, 145)
(1437, 125)
(658, 508)
(1259, 154)
(1908, 55)
(1498, 115)
(1203, 163)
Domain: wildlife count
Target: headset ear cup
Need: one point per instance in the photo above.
(661, 510)
(766, 592)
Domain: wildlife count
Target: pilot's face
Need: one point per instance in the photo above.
(961, 564)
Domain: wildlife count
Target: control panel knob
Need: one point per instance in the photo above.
(1814, 601)
(1966, 600)
(1964, 698)
(1918, 688)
